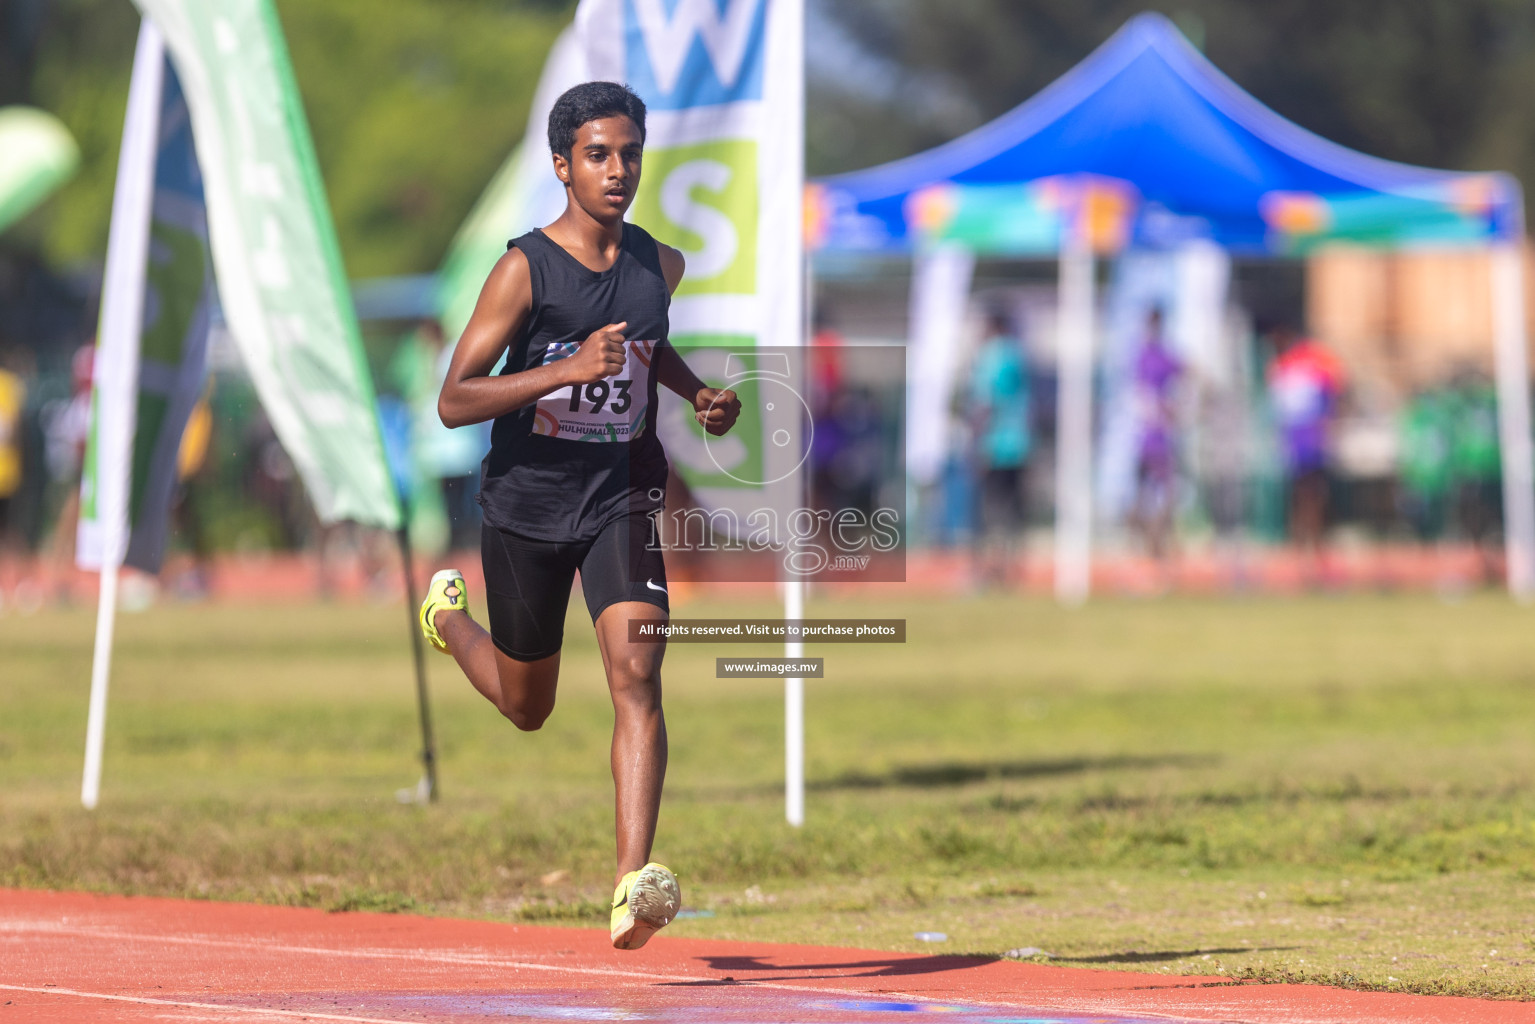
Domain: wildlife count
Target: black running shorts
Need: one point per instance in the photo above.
(527, 582)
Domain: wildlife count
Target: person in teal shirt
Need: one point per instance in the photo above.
(997, 408)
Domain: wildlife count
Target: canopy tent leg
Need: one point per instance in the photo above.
(1509, 334)
(1074, 428)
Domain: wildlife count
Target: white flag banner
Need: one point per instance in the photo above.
(940, 292)
(106, 481)
(723, 84)
(150, 377)
(106, 484)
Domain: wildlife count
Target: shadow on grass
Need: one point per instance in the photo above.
(959, 773)
(1158, 956)
(883, 968)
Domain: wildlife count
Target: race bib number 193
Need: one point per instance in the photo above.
(611, 409)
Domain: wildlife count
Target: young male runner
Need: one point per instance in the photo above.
(576, 471)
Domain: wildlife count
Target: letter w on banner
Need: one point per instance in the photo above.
(723, 83)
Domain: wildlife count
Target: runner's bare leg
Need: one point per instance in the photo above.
(523, 691)
(639, 729)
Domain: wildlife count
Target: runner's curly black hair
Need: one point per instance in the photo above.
(591, 101)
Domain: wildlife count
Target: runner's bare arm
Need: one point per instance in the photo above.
(472, 393)
(714, 409)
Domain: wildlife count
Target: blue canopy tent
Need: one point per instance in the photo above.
(1194, 157)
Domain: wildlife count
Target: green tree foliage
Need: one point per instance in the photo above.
(413, 105)
(415, 102)
(1448, 83)
(81, 55)
(413, 112)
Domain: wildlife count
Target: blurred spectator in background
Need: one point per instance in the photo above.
(827, 442)
(848, 443)
(1226, 460)
(997, 409)
(1425, 430)
(187, 506)
(1305, 385)
(13, 399)
(444, 462)
(1157, 373)
(826, 369)
(68, 429)
(1477, 468)
(852, 475)
(394, 423)
(450, 458)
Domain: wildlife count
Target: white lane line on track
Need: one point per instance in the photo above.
(435, 956)
(188, 1005)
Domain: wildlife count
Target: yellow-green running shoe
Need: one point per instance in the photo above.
(644, 902)
(446, 592)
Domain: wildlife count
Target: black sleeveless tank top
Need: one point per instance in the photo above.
(564, 467)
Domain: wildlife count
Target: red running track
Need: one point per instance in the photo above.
(70, 957)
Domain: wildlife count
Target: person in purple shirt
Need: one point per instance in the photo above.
(1156, 372)
(1306, 381)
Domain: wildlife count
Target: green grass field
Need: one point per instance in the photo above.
(1335, 789)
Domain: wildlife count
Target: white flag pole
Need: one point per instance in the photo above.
(794, 689)
(783, 197)
(116, 369)
(794, 712)
(1074, 430)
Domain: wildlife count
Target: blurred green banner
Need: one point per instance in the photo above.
(278, 265)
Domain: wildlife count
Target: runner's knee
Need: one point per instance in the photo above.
(635, 678)
(527, 709)
(527, 715)
(527, 692)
